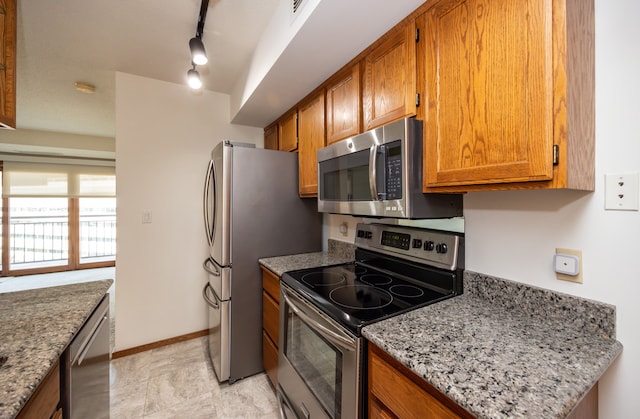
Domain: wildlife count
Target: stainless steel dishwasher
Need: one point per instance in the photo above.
(86, 368)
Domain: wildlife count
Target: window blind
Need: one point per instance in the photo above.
(22, 179)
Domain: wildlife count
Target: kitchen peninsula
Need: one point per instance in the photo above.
(36, 326)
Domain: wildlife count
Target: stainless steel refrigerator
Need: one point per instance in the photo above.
(251, 210)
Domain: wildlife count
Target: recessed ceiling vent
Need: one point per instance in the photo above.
(296, 5)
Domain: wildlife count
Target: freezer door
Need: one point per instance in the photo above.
(219, 278)
(221, 169)
(219, 328)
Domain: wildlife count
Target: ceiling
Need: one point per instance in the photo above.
(63, 41)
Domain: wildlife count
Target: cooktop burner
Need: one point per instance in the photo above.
(360, 297)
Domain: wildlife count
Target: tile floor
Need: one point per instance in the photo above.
(177, 381)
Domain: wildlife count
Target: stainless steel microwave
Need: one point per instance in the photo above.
(379, 174)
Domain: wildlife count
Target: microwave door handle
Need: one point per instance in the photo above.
(373, 157)
(329, 334)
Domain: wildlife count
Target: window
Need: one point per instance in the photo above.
(57, 217)
(97, 229)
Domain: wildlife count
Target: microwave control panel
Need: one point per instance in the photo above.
(393, 171)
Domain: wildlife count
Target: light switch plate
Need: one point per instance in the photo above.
(621, 191)
(146, 216)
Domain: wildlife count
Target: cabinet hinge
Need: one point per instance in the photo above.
(417, 34)
(417, 99)
(556, 154)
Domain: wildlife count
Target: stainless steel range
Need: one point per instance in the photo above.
(323, 310)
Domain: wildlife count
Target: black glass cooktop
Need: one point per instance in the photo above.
(355, 295)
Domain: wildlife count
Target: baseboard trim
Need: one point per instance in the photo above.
(159, 344)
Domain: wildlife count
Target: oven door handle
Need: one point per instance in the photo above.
(337, 339)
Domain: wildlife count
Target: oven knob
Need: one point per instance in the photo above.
(417, 243)
(441, 248)
(428, 246)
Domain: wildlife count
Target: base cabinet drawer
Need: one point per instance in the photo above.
(271, 284)
(270, 359)
(270, 316)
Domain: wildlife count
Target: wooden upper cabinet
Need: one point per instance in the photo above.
(271, 137)
(8, 63)
(390, 78)
(343, 94)
(500, 109)
(312, 138)
(288, 132)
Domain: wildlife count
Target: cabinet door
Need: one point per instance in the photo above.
(8, 64)
(271, 137)
(288, 132)
(343, 105)
(311, 131)
(390, 78)
(489, 91)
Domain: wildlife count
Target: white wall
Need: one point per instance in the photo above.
(514, 234)
(164, 136)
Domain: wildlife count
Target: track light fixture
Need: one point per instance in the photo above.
(193, 78)
(198, 53)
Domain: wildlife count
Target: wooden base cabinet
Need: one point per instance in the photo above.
(45, 401)
(509, 94)
(270, 324)
(396, 392)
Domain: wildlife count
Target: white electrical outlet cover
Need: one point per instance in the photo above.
(566, 264)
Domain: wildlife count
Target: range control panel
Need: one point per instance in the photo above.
(438, 248)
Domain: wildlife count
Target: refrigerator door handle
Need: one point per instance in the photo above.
(210, 266)
(209, 213)
(214, 304)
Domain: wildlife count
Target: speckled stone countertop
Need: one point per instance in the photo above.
(504, 349)
(338, 252)
(35, 328)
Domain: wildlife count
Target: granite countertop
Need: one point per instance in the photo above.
(35, 328)
(503, 349)
(339, 252)
(281, 264)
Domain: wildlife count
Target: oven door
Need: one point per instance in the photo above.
(319, 363)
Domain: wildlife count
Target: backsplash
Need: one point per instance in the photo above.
(341, 249)
(591, 316)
